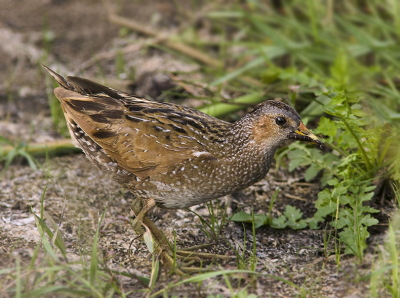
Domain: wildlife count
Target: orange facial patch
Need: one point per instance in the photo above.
(265, 129)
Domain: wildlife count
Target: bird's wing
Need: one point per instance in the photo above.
(139, 135)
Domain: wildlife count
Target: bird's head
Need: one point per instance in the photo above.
(275, 122)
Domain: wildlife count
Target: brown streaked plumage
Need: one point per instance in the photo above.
(171, 155)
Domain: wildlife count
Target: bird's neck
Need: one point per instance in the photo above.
(251, 161)
(241, 136)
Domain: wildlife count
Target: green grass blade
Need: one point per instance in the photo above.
(59, 241)
(18, 283)
(29, 158)
(238, 72)
(94, 261)
(220, 109)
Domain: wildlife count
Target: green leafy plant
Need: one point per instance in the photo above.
(213, 228)
(358, 152)
(7, 156)
(291, 218)
(359, 146)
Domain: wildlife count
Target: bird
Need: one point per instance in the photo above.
(170, 155)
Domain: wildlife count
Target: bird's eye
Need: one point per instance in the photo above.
(280, 121)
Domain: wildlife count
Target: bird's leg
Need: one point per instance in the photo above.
(140, 208)
(161, 244)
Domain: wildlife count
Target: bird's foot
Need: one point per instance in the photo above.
(176, 260)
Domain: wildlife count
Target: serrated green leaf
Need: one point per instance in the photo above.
(292, 214)
(333, 182)
(295, 163)
(259, 219)
(313, 223)
(326, 127)
(241, 217)
(312, 172)
(279, 223)
(366, 197)
(299, 225)
(368, 221)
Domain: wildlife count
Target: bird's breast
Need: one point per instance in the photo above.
(190, 183)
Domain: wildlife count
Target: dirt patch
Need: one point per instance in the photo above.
(77, 194)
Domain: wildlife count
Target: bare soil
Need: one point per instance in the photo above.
(77, 193)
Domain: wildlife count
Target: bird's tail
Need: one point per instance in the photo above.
(85, 86)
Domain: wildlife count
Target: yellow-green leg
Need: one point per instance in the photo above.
(161, 244)
(140, 208)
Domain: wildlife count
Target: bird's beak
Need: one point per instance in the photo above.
(303, 134)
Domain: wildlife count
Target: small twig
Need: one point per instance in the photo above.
(185, 85)
(158, 38)
(163, 38)
(294, 197)
(303, 184)
(287, 182)
(130, 246)
(175, 45)
(109, 55)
